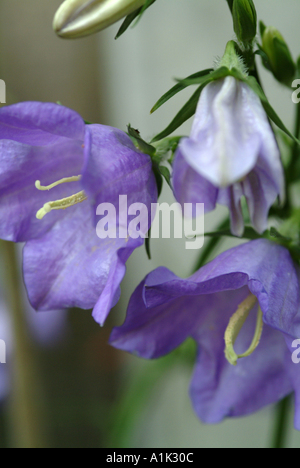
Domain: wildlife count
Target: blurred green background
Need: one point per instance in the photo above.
(91, 395)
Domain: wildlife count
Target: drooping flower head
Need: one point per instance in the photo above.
(54, 171)
(231, 153)
(246, 303)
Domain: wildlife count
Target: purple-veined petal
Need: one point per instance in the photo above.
(114, 167)
(32, 147)
(191, 187)
(223, 145)
(220, 390)
(70, 266)
(39, 123)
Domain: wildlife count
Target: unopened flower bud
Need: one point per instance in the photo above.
(244, 20)
(280, 59)
(78, 18)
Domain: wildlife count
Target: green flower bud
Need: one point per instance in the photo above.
(279, 56)
(78, 18)
(244, 21)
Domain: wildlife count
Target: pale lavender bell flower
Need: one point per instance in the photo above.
(231, 153)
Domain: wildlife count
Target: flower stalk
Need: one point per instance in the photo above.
(26, 406)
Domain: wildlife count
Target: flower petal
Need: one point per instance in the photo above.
(32, 147)
(70, 266)
(261, 265)
(224, 143)
(220, 390)
(114, 167)
(191, 187)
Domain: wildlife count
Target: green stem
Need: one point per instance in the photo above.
(281, 422)
(210, 246)
(26, 416)
(293, 174)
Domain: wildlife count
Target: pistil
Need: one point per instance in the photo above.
(235, 325)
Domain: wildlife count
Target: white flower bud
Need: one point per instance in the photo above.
(78, 18)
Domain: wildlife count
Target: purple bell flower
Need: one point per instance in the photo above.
(246, 303)
(231, 153)
(46, 147)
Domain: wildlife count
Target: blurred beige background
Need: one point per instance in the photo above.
(116, 83)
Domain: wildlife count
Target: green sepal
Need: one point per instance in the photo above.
(280, 59)
(264, 57)
(130, 18)
(141, 144)
(164, 148)
(166, 175)
(178, 87)
(158, 178)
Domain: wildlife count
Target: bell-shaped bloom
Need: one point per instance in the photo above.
(257, 279)
(78, 18)
(65, 263)
(231, 153)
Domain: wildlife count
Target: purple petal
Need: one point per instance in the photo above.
(153, 332)
(115, 167)
(71, 267)
(191, 187)
(224, 142)
(261, 265)
(36, 151)
(39, 124)
(220, 390)
(231, 197)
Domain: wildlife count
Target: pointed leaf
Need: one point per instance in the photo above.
(166, 174)
(130, 18)
(187, 111)
(218, 74)
(262, 28)
(179, 87)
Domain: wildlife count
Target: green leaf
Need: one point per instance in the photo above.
(262, 28)
(249, 233)
(178, 87)
(210, 246)
(166, 174)
(218, 74)
(264, 57)
(187, 111)
(127, 22)
(147, 245)
(130, 18)
(147, 4)
(158, 177)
